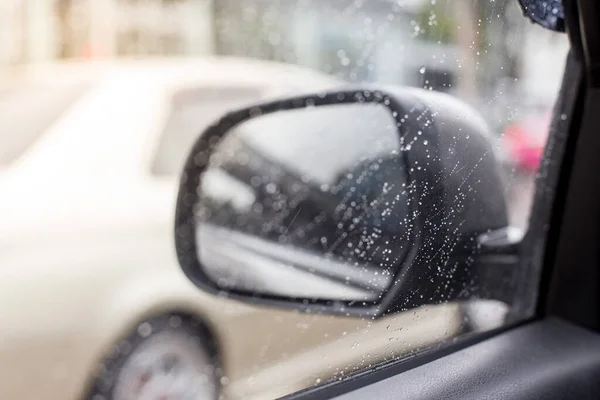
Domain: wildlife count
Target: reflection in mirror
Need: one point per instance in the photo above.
(307, 203)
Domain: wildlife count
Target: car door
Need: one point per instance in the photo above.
(517, 355)
(543, 343)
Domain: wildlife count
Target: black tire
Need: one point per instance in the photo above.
(169, 343)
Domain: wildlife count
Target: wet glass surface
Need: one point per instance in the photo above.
(88, 191)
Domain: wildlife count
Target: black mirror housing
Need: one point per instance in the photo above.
(455, 195)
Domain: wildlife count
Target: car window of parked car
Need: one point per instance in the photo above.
(28, 110)
(191, 111)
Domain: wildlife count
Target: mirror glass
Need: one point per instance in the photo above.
(307, 203)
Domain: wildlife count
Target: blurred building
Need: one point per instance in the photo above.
(39, 30)
(450, 45)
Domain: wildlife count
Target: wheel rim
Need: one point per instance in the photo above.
(166, 366)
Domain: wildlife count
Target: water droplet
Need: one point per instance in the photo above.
(271, 188)
(144, 329)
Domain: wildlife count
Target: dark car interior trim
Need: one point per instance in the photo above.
(549, 359)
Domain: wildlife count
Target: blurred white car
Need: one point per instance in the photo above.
(92, 298)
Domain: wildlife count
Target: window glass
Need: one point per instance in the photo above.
(27, 111)
(191, 112)
(486, 54)
(93, 301)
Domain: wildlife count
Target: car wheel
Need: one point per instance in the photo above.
(166, 358)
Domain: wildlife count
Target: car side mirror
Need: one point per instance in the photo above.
(360, 202)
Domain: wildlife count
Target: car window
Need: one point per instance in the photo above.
(28, 110)
(100, 306)
(191, 111)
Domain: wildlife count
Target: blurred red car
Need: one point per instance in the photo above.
(525, 140)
